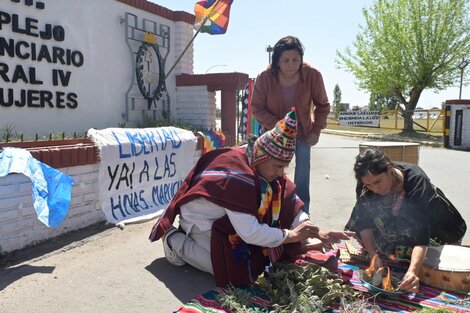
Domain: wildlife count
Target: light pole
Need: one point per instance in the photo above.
(462, 65)
(269, 49)
(215, 66)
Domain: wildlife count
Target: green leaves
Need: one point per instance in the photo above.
(237, 300)
(407, 46)
(304, 288)
(337, 105)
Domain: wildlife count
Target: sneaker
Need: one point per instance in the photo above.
(171, 255)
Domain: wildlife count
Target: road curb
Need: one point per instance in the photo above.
(381, 137)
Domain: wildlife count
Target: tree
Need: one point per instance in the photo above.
(408, 46)
(337, 106)
(381, 103)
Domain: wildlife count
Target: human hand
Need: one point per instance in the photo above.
(303, 231)
(410, 282)
(312, 139)
(333, 236)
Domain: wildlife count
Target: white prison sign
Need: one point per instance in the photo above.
(359, 118)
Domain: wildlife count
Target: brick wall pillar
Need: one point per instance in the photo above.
(228, 119)
(228, 83)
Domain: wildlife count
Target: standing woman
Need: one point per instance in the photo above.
(289, 82)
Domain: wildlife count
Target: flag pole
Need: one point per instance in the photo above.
(192, 39)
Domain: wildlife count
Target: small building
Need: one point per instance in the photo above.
(68, 66)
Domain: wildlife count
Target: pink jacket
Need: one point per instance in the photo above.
(268, 102)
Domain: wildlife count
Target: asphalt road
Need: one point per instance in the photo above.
(102, 269)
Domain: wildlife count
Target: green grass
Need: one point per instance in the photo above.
(364, 129)
(391, 133)
(389, 123)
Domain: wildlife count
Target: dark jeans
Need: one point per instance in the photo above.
(302, 173)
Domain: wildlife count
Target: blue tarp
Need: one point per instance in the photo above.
(51, 189)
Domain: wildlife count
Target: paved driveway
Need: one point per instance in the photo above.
(105, 270)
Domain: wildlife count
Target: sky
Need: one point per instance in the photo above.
(323, 26)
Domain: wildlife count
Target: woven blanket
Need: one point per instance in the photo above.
(428, 297)
(208, 303)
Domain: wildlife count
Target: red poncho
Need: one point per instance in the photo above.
(224, 177)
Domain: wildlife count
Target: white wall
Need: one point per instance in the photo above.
(94, 29)
(465, 144)
(19, 226)
(183, 35)
(196, 106)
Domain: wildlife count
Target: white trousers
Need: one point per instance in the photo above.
(194, 248)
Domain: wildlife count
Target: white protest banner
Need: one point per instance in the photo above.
(359, 118)
(141, 169)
